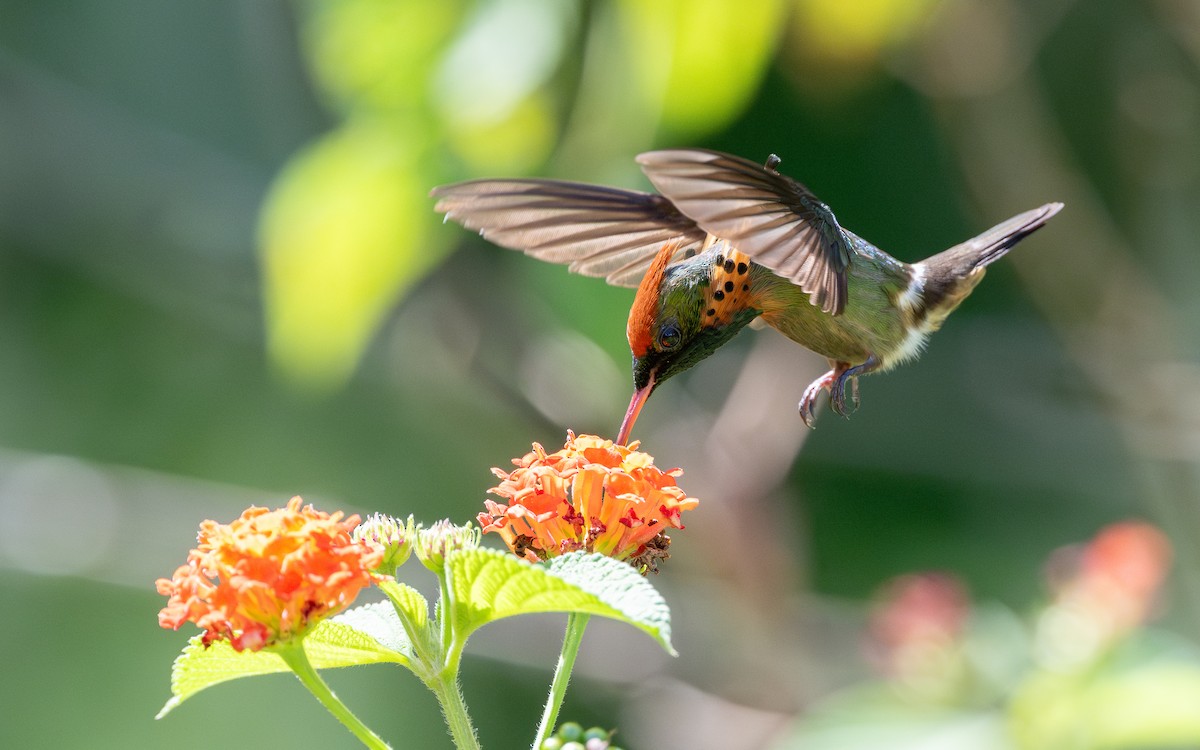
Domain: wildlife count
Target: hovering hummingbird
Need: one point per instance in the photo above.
(726, 241)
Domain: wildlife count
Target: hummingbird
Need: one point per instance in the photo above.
(723, 242)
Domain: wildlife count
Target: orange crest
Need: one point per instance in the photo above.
(639, 330)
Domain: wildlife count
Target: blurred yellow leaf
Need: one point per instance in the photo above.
(515, 144)
(378, 53)
(492, 86)
(1153, 704)
(701, 60)
(1157, 705)
(859, 30)
(346, 229)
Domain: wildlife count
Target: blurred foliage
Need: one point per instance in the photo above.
(222, 283)
(346, 228)
(696, 64)
(1081, 673)
(345, 232)
(857, 33)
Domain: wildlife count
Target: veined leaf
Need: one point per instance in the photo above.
(371, 634)
(489, 585)
(377, 620)
(410, 602)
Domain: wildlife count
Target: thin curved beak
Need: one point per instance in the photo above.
(635, 407)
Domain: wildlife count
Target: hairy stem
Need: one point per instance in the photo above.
(576, 624)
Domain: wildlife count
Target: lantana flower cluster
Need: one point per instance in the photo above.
(269, 576)
(592, 495)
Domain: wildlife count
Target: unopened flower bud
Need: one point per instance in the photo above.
(390, 535)
(442, 538)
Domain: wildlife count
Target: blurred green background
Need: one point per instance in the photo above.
(222, 283)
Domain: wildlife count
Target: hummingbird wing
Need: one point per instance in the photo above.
(772, 218)
(598, 231)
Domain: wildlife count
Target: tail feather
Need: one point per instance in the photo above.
(949, 276)
(990, 246)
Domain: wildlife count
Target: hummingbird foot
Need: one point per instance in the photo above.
(835, 381)
(808, 402)
(849, 375)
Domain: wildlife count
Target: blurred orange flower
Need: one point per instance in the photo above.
(1116, 577)
(592, 495)
(920, 609)
(917, 632)
(269, 576)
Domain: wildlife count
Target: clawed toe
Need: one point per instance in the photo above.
(806, 413)
(808, 402)
(837, 394)
(835, 381)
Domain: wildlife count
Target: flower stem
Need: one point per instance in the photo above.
(293, 655)
(576, 623)
(454, 710)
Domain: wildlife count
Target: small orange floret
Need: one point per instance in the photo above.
(639, 329)
(592, 495)
(1118, 574)
(269, 576)
(918, 621)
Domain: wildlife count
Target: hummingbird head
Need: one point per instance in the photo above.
(668, 329)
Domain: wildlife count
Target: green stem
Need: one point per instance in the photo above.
(293, 655)
(442, 678)
(448, 693)
(576, 623)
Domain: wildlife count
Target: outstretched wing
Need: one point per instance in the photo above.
(596, 230)
(770, 217)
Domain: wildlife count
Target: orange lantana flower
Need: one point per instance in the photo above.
(592, 495)
(1114, 580)
(269, 576)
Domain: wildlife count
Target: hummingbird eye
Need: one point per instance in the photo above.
(669, 337)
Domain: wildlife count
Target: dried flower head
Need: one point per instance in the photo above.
(269, 576)
(592, 495)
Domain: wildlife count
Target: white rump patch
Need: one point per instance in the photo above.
(915, 293)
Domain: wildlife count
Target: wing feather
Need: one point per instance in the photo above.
(595, 230)
(772, 218)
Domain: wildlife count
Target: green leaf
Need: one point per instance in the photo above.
(1157, 705)
(874, 715)
(858, 31)
(370, 634)
(378, 621)
(346, 230)
(412, 612)
(1150, 704)
(685, 59)
(488, 585)
(408, 600)
(504, 118)
(378, 54)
